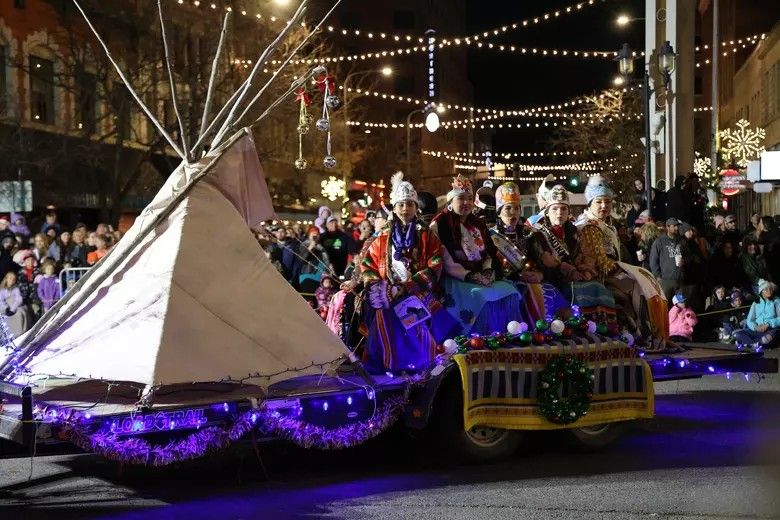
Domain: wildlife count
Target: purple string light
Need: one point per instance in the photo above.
(206, 440)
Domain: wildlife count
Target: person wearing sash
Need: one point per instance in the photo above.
(553, 250)
(400, 271)
(475, 296)
(511, 238)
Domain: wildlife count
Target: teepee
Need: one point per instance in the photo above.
(161, 310)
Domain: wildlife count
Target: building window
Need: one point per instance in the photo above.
(41, 90)
(403, 20)
(120, 105)
(86, 102)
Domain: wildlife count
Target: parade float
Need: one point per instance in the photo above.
(149, 360)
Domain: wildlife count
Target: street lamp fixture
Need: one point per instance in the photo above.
(623, 20)
(432, 122)
(387, 71)
(625, 59)
(667, 61)
(618, 81)
(666, 64)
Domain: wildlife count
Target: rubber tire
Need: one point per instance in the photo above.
(448, 433)
(594, 438)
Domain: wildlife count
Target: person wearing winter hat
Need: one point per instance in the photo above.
(600, 248)
(485, 203)
(554, 252)
(682, 320)
(322, 217)
(763, 320)
(480, 302)
(401, 269)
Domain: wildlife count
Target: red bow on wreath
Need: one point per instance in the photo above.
(301, 95)
(329, 83)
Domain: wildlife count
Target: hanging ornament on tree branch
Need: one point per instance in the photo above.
(303, 98)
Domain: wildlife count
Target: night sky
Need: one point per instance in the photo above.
(505, 80)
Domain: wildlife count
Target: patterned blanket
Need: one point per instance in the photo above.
(500, 387)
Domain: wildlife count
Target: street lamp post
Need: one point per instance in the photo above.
(666, 63)
(431, 124)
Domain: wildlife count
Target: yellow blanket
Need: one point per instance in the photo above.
(500, 387)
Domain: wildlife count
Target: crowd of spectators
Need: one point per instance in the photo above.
(31, 261)
(716, 264)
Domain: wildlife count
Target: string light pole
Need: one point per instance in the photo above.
(666, 64)
(385, 71)
(431, 124)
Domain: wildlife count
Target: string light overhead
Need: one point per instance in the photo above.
(522, 24)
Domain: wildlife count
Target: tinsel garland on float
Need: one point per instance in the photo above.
(198, 444)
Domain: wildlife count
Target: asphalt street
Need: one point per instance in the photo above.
(711, 452)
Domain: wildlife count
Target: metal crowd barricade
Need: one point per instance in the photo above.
(69, 276)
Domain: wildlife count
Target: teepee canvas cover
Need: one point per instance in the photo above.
(196, 300)
(188, 295)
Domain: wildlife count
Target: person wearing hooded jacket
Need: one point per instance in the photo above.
(763, 320)
(678, 200)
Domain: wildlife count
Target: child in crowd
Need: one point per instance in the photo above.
(735, 319)
(48, 286)
(763, 320)
(11, 304)
(324, 293)
(682, 320)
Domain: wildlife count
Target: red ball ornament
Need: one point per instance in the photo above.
(502, 339)
(583, 326)
(567, 332)
(440, 349)
(477, 343)
(538, 338)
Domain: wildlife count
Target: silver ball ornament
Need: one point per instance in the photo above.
(333, 102)
(301, 163)
(323, 125)
(319, 70)
(329, 161)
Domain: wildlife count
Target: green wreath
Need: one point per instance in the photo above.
(559, 370)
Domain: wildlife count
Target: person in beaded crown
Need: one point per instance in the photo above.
(475, 295)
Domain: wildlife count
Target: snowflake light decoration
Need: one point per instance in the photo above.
(702, 165)
(333, 188)
(742, 144)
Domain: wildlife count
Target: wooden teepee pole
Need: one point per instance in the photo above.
(172, 80)
(213, 77)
